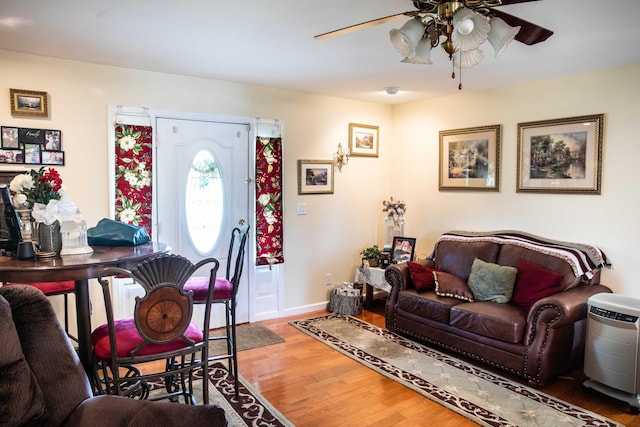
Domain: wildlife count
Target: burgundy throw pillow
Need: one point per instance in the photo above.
(421, 276)
(448, 285)
(533, 283)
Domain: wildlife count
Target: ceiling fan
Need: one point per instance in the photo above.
(458, 26)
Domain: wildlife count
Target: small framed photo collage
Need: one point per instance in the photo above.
(31, 146)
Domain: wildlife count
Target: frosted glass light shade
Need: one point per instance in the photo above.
(405, 40)
(501, 34)
(467, 58)
(423, 52)
(470, 29)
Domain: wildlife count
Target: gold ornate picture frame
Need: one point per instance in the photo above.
(561, 155)
(29, 103)
(470, 159)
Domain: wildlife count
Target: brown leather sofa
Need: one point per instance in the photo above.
(536, 344)
(42, 382)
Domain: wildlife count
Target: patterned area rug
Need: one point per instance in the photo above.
(479, 395)
(250, 410)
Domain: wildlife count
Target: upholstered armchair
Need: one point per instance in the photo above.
(43, 383)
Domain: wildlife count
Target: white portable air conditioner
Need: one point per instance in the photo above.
(612, 347)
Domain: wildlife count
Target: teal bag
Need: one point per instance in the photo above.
(108, 232)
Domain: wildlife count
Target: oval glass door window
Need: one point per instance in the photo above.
(204, 202)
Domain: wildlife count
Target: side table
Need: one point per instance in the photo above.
(373, 278)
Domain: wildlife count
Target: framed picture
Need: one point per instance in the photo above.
(29, 103)
(11, 156)
(561, 155)
(32, 154)
(10, 137)
(363, 140)
(470, 159)
(402, 249)
(31, 136)
(52, 140)
(315, 177)
(53, 158)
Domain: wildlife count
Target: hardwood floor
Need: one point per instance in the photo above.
(314, 385)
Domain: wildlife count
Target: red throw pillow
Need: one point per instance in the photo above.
(533, 283)
(421, 276)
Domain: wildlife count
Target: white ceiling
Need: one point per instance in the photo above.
(270, 42)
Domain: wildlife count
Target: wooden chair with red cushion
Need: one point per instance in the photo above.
(225, 292)
(160, 330)
(50, 289)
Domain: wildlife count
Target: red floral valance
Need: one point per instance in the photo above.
(269, 233)
(133, 163)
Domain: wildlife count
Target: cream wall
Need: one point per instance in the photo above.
(609, 221)
(328, 239)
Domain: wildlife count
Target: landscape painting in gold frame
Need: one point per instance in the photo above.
(315, 177)
(561, 155)
(28, 103)
(363, 140)
(470, 159)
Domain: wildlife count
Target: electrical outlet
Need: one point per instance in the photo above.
(329, 279)
(301, 208)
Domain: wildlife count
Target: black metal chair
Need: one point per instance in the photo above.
(161, 330)
(225, 292)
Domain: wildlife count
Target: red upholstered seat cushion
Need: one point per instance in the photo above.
(200, 285)
(533, 283)
(50, 288)
(129, 339)
(421, 276)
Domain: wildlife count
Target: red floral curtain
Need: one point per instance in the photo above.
(134, 161)
(269, 234)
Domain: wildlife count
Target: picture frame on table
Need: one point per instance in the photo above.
(470, 159)
(29, 103)
(562, 156)
(402, 249)
(363, 140)
(315, 176)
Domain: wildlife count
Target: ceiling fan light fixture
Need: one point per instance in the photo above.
(423, 52)
(501, 34)
(405, 39)
(467, 58)
(470, 29)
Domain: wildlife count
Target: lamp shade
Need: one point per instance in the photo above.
(405, 40)
(423, 51)
(470, 29)
(501, 34)
(467, 58)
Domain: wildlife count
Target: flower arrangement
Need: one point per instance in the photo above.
(395, 210)
(43, 192)
(36, 186)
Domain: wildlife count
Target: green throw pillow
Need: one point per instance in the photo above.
(491, 282)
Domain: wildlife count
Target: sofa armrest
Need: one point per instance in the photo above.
(117, 411)
(398, 277)
(568, 306)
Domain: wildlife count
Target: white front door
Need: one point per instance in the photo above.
(202, 190)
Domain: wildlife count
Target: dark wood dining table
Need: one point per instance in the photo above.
(79, 268)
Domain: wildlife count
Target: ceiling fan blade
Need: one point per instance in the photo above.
(365, 25)
(529, 33)
(505, 2)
